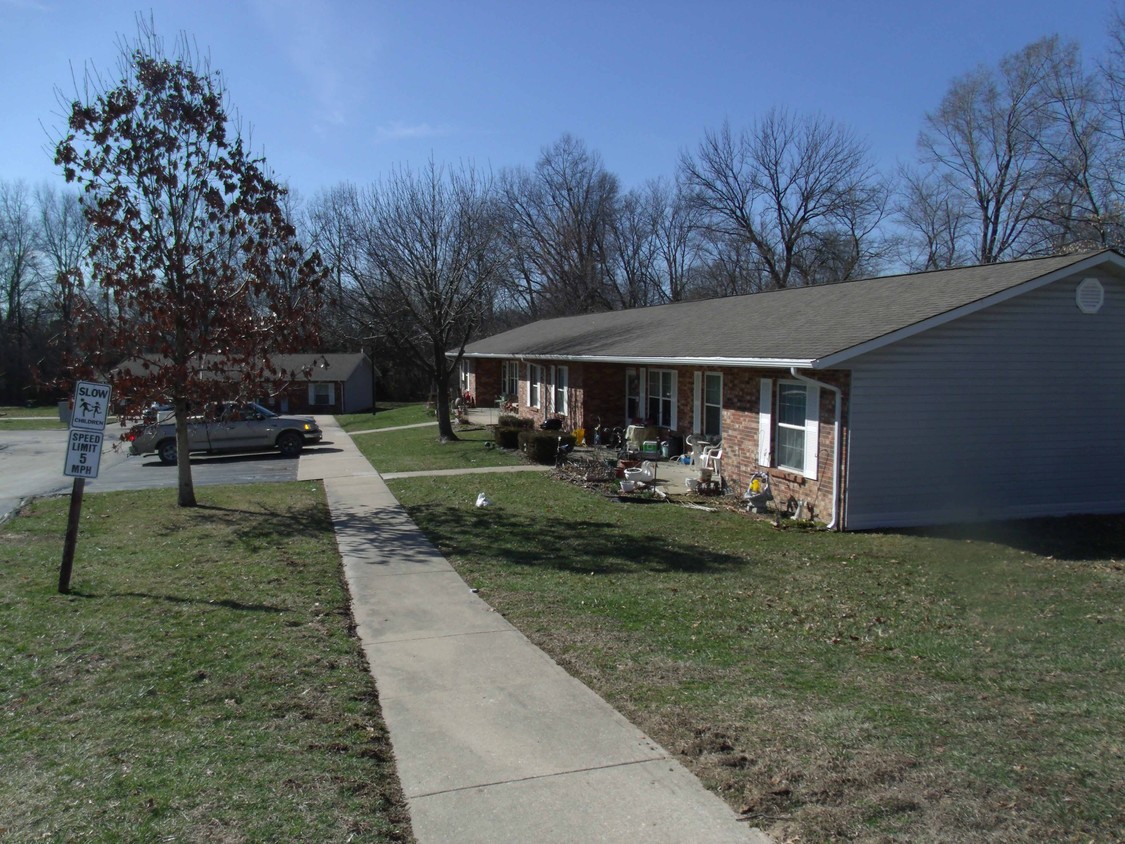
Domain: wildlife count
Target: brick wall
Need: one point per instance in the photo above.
(597, 393)
(741, 398)
(579, 413)
(603, 394)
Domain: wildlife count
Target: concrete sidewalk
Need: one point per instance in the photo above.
(494, 742)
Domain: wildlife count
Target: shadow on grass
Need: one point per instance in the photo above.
(263, 525)
(590, 547)
(1074, 538)
(175, 599)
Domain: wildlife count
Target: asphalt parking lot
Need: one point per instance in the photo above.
(31, 464)
(148, 472)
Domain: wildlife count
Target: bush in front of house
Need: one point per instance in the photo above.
(510, 420)
(506, 437)
(542, 446)
(507, 430)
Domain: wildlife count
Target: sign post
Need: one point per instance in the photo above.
(83, 457)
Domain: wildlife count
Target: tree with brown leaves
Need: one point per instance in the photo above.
(189, 239)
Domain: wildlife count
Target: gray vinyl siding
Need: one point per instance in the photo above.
(357, 391)
(1015, 411)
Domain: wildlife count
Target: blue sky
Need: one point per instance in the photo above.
(339, 90)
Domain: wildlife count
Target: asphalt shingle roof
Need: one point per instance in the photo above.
(807, 323)
(325, 367)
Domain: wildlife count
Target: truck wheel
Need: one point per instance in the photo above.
(166, 451)
(290, 444)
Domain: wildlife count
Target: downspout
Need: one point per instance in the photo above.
(834, 524)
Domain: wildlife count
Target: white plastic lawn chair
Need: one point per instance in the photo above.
(711, 458)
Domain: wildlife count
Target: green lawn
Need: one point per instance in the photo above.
(878, 687)
(200, 683)
(14, 418)
(386, 416)
(417, 449)
(11, 411)
(17, 423)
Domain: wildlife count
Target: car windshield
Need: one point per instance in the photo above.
(266, 414)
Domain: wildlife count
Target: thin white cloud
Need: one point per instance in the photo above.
(399, 131)
(315, 41)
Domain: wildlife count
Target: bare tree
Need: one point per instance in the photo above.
(19, 261)
(633, 251)
(1081, 155)
(986, 140)
(426, 265)
(189, 237)
(1112, 72)
(1104, 147)
(678, 244)
(726, 267)
(64, 245)
(799, 191)
(934, 217)
(558, 223)
(331, 217)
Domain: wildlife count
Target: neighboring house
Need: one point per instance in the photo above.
(984, 392)
(336, 383)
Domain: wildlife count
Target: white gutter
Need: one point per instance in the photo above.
(633, 360)
(834, 524)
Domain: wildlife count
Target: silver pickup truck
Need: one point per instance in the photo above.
(228, 426)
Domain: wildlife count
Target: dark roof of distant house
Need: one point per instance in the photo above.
(805, 326)
(323, 367)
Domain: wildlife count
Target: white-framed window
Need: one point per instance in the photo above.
(712, 404)
(322, 393)
(662, 397)
(561, 379)
(510, 379)
(789, 426)
(633, 404)
(534, 385)
(792, 401)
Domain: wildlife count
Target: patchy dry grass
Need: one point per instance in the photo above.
(948, 686)
(200, 683)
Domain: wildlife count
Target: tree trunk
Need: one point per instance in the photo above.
(445, 424)
(183, 464)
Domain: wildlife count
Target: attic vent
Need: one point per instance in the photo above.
(1090, 296)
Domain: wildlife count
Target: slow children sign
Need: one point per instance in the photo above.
(91, 406)
(87, 422)
(83, 457)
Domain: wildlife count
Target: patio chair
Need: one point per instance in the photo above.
(711, 457)
(690, 448)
